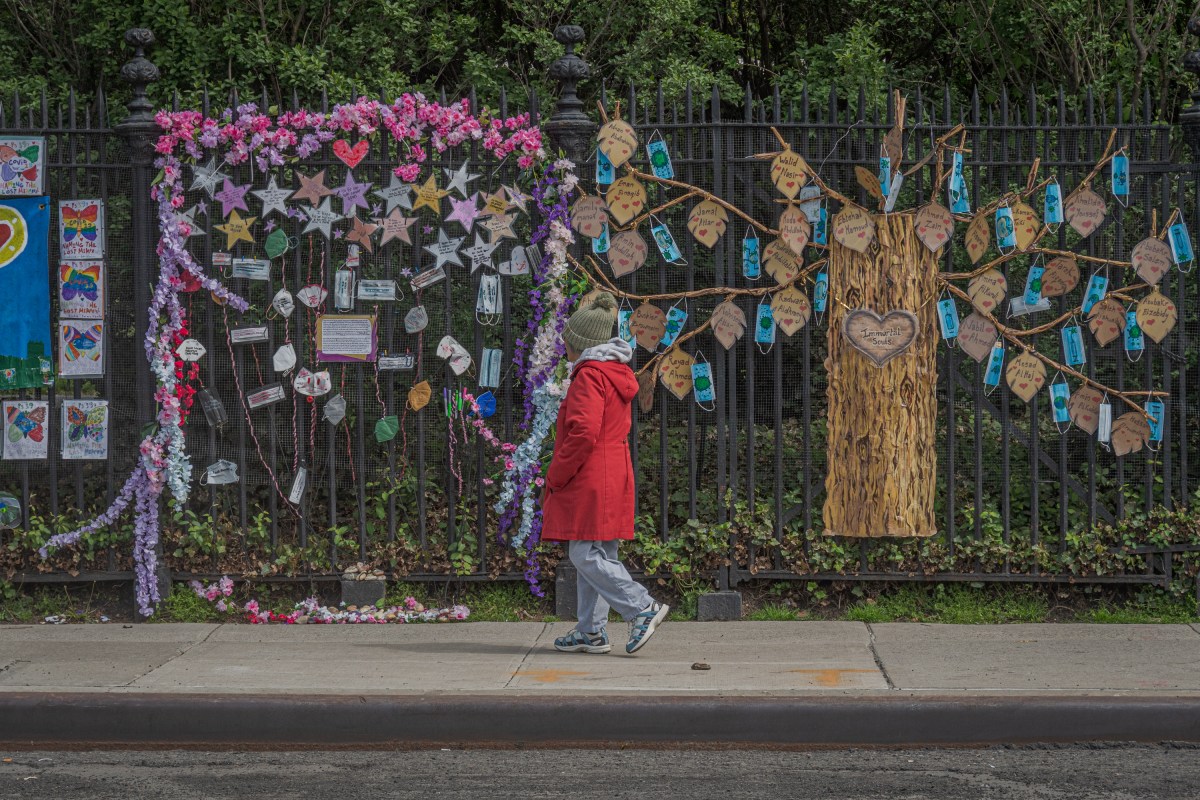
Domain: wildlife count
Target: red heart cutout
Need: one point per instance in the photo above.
(941, 236)
(637, 203)
(862, 235)
(1087, 417)
(5, 232)
(1022, 385)
(1149, 322)
(702, 232)
(790, 184)
(350, 156)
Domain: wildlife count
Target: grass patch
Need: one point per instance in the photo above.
(85, 603)
(502, 602)
(1152, 606)
(184, 605)
(953, 604)
(773, 613)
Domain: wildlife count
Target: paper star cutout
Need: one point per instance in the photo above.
(500, 227)
(353, 195)
(430, 196)
(480, 253)
(273, 198)
(207, 177)
(294, 213)
(232, 197)
(338, 233)
(362, 232)
(237, 229)
(458, 180)
(202, 207)
(311, 189)
(320, 218)
(377, 210)
(445, 249)
(495, 204)
(517, 198)
(395, 226)
(464, 211)
(189, 217)
(269, 225)
(398, 193)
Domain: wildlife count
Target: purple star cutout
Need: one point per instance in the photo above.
(353, 195)
(232, 197)
(337, 233)
(295, 213)
(202, 207)
(406, 272)
(426, 229)
(465, 211)
(269, 225)
(377, 210)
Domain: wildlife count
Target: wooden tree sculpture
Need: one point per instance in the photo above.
(888, 304)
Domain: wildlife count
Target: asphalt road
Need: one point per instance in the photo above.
(1027, 773)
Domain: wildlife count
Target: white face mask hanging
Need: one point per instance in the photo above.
(283, 304)
(284, 358)
(222, 472)
(487, 306)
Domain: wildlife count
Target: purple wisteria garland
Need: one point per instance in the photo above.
(539, 359)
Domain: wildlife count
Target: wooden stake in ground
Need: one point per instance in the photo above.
(882, 419)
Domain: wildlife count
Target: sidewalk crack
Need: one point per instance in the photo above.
(187, 649)
(528, 653)
(875, 654)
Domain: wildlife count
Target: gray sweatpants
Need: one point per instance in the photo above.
(603, 582)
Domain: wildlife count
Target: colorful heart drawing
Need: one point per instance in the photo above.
(351, 156)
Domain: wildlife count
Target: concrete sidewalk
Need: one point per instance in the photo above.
(1107, 681)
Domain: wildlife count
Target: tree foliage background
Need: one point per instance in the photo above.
(386, 46)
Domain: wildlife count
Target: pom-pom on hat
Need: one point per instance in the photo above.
(592, 325)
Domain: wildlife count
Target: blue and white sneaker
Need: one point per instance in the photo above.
(642, 627)
(579, 642)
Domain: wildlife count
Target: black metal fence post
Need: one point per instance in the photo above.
(571, 130)
(140, 132)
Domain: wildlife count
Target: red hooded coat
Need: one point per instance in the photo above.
(590, 488)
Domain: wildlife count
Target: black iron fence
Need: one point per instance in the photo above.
(738, 489)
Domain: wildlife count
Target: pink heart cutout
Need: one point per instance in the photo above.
(350, 156)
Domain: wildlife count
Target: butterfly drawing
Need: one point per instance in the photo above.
(80, 222)
(26, 424)
(18, 163)
(85, 426)
(81, 283)
(81, 342)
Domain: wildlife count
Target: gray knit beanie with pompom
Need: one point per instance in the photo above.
(592, 325)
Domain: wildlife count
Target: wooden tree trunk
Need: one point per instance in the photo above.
(882, 420)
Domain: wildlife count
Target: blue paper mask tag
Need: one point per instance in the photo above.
(623, 331)
(489, 367)
(810, 202)
(885, 174)
(751, 263)
(666, 243)
(821, 292)
(1181, 243)
(1006, 234)
(676, 317)
(959, 203)
(660, 159)
(1096, 289)
(702, 382)
(605, 174)
(1158, 412)
(1134, 340)
(764, 327)
(821, 228)
(487, 404)
(1033, 285)
(1052, 210)
(1072, 345)
(600, 243)
(1060, 395)
(948, 318)
(995, 365)
(1120, 176)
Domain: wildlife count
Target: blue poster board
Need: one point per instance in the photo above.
(26, 360)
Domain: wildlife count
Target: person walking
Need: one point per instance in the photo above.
(588, 497)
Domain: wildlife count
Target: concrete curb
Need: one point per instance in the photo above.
(183, 720)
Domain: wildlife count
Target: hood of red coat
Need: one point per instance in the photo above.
(618, 374)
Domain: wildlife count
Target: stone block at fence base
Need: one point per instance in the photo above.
(565, 597)
(719, 606)
(363, 593)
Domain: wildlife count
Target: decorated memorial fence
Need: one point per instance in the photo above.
(306, 267)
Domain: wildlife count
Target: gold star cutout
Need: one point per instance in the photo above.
(311, 189)
(237, 229)
(499, 227)
(495, 205)
(430, 196)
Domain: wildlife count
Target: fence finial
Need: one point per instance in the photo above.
(139, 72)
(1189, 118)
(568, 127)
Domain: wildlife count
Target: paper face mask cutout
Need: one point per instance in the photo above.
(454, 354)
(284, 358)
(418, 396)
(416, 319)
(283, 303)
(312, 384)
(335, 410)
(312, 295)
